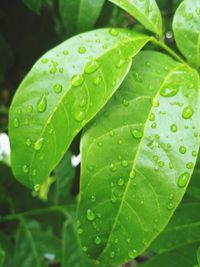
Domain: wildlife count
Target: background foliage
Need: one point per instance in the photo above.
(39, 230)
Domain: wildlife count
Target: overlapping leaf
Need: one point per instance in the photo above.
(61, 93)
(146, 12)
(186, 26)
(137, 158)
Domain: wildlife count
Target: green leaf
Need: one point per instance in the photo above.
(146, 12)
(183, 229)
(64, 174)
(2, 257)
(186, 26)
(198, 255)
(194, 186)
(85, 14)
(143, 141)
(34, 5)
(61, 93)
(34, 245)
(183, 256)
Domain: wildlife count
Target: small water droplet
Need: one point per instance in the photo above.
(152, 117)
(125, 102)
(29, 109)
(124, 163)
(190, 165)
(28, 142)
(137, 133)
(57, 88)
(132, 253)
(90, 215)
(198, 11)
(132, 174)
(97, 240)
(113, 167)
(34, 172)
(37, 187)
(25, 169)
(182, 149)
(97, 80)
(155, 102)
(82, 50)
(80, 231)
(113, 32)
(194, 153)
(120, 62)
(44, 60)
(187, 113)
(91, 66)
(137, 77)
(171, 196)
(161, 163)
(111, 133)
(150, 8)
(168, 92)
(120, 182)
(112, 254)
(155, 158)
(77, 80)
(82, 102)
(93, 198)
(79, 115)
(173, 128)
(170, 206)
(16, 123)
(153, 125)
(42, 104)
(65, 52)
(38, 144)
(183, 179)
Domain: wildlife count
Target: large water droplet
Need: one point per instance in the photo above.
(173, 128)
(77, 80)
(90, 215)
(182, 149)
(42, 104)
(91, 66)
(168, 92)
(82, 50)
(113, 32)
(57, 88)
(137, 133)
(190, 165)
(132, 174)
(183, 179)
(79, 115)
(187, 113)
(38, 144)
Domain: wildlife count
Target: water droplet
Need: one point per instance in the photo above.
(61, 70)
(171, 196)
(155, 158)
(113, 168)
(97, 240)
(37, 187)
(44, 60)
(198, 11)
(187, 113)
(111, 133)
(90, 215)
(80, 231)
(57, 88)
(153, 125)
(91, 66)
(132, 174)
(93, 198)
(82, 102)
(125, 102)
(42, 104)
(170, 206)
(113, 32)
(79, 115)
(124, 163)
(182, 149)
(137, 77)
(25, 169)
(38, 144)
(194, 153)
(155, 102)
(150, 8)
(82, 50)
(53, 70)
(16, 123)
(152, 117)
(161, 163)
(97, 80)
(65, 52)
(29, 109)
(132, 253)
(183, 179)
(120, 182)
(137, 133)
(120, 62)
(34, 172)
(168, 92)
(90, 168)
(112, 254)
(28, 142)
(173, 128)
(190, 165)
(85, 248)
(77, 80)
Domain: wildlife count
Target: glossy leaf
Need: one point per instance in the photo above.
(143, 141)
(146, 12)
(194, 186)
(183, 229)
(34, 246)
(61, 93)
(85, 14)
(183, 256)
(186, 26)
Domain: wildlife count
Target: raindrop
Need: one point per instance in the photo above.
(16, 123)
(65, 52)
(183, 179)
(80, 231)
(93, 198)
(154, 125)
(124, 163)
(82, 102)
(155, 158)
(190, 165)
(170, 206)
(29, 109)
(125, 102)
(132, 253)
(90, 215)
(38, 144)
(173, 128)
(171, 196)
(42, 104)
(194, 153)
(111, 133)
(132, 174)
(120, 62)
(37, 187)
(25, 169)
(77, 80)
(57, 88)
(44, 60)
(112, 254)
(155, 102)
(120, 182)
(113, 32)
(182, 149)
(97, 80)
(152, 117)
(79, 115)
(113, 168)
(198, 11)
(137, 133)
(53, 70)
(187, 113)
(137, 77)
(82, 50)
(168, 92)
(97, 240)
(91, 66)
(161, 163)
(28, 142)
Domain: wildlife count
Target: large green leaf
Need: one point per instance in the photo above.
(194, 186)
(184, 256)
(85, 14)
(146, 12)
(137, 158)
(61, 93)
(183, 229)
(186, 26)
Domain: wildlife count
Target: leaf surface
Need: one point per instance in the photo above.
(85, 14)
(137, 158)
(146, 12)
(61, 93)
(186, 26)
(2, 257)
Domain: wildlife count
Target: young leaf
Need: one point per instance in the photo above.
(146, 12)
(183, 229)
(183, 256)
(85, 14)
(61, 93)
(186, 26)
(144, 141)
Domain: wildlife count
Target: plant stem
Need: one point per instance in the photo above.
(168, 49)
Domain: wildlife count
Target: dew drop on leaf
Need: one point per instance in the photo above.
(77, 80)
(79, 115)
(97, 240)
(42, 104)
(132, 174)
(29, 109)
(112, 254)
(16, 123)
(132, 253)
(91, 66)
(65, 52)
(190, 165)
(113, 32)
(37, 187)
(155, 102)
(44, 60)
(57, 88)
(120, 182)
(82, 50)
(152, 117)
(187, 113)
(182, 149)
(97, 80)
(113, 168)
(183, 179)
(168, 92)
(137, 133)
(170, 206)
(124, 163)
(90, 215)
(173, 128)
(38, 144)
(194, 153)
(28, 142)
(82, 102)
(25, 169)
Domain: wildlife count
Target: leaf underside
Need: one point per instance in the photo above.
(138, 154)
(61, 93)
